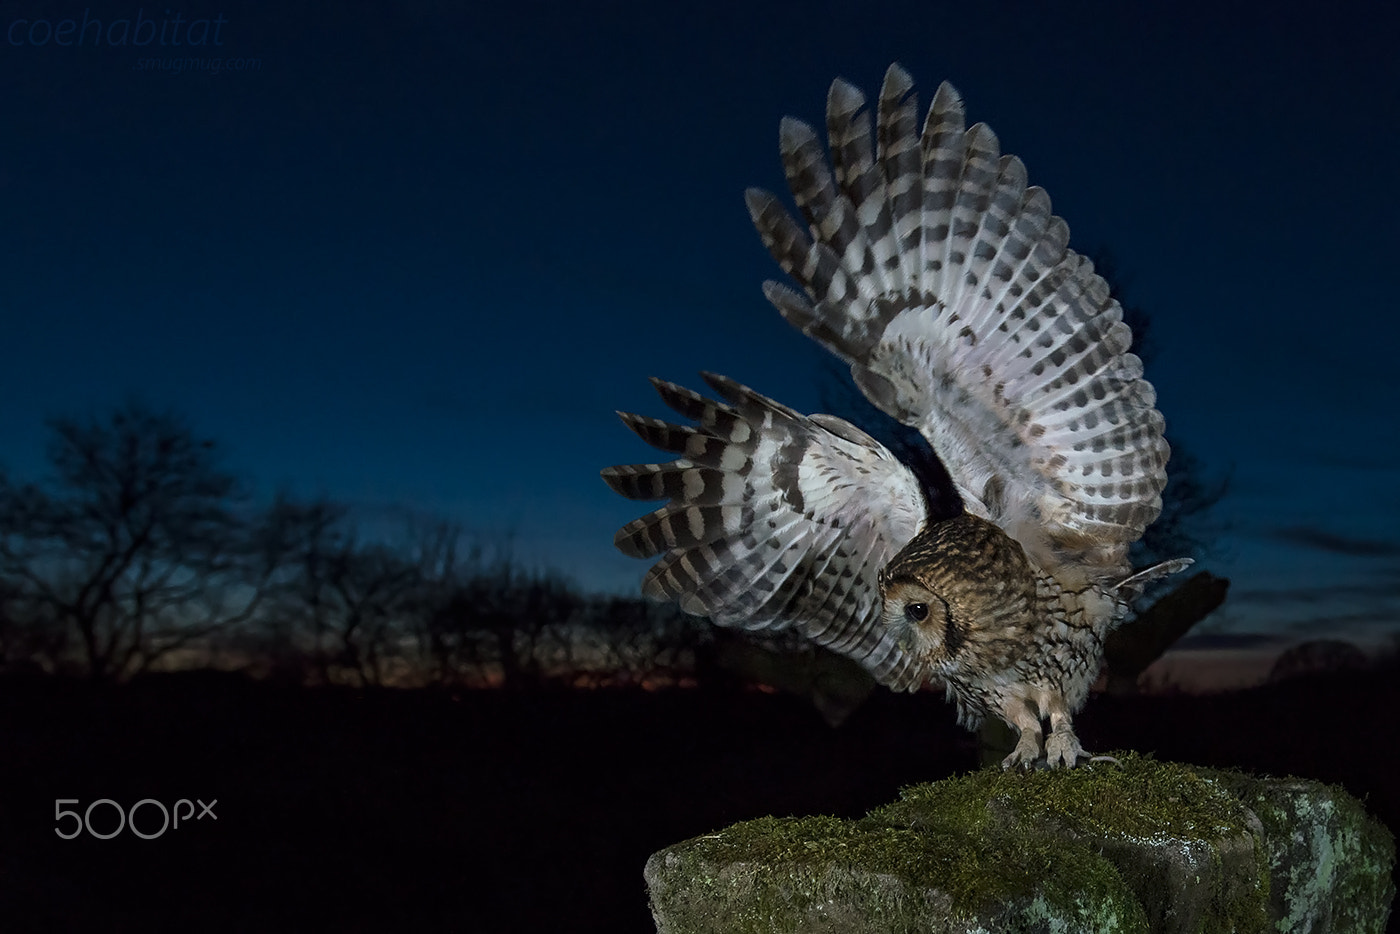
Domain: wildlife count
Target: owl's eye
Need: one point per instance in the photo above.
(918, 612)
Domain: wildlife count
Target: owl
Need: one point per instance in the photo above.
(929, 265)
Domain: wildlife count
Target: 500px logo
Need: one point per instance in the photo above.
(127, 818)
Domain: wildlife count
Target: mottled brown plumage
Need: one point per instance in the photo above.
(1004, 636)
(930, 266)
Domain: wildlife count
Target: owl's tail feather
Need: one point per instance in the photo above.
(774, 520)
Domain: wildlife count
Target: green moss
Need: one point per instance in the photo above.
(1123, 810)
(1040, 884)
(1105, 848)
(1137, 799)
(1367, 854)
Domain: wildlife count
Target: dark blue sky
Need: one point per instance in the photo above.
(414, 257)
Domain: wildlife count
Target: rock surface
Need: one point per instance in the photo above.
(1141, 846)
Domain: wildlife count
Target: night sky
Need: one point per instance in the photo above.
(414, 257)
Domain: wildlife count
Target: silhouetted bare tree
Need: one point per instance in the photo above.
(138, 544)
(623, 641)
(358, 609)
(351, 598)
(13, 637)
(495, 618)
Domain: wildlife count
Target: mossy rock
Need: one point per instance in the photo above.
(1329, 862)
(1135, 847)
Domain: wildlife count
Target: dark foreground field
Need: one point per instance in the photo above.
(363, 811)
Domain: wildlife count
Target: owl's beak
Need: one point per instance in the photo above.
(903, 631)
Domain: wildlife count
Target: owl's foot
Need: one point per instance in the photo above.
(1062, 749)
(1026, 755)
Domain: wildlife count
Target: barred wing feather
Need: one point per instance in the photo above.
(774, 520)
(947, 284)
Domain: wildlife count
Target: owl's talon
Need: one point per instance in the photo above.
(1062, 750)
(1026, 755)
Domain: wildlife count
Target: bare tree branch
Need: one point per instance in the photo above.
(139, 543)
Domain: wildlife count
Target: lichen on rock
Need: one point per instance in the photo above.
(1329, 862)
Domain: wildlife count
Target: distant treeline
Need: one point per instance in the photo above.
(142, 551)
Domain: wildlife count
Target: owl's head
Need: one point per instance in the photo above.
(957, 582)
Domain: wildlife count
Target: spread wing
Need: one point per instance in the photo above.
(774, 520)
(944, 280)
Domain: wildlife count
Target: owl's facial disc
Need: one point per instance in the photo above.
(919, 618)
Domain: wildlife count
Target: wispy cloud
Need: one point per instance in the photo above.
(1229, 640)
(1381, 589)
(1353, 460)
(1359, 607)
(1329, 541)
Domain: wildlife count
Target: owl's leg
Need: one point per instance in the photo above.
(1021, 715)
(1062, 745)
